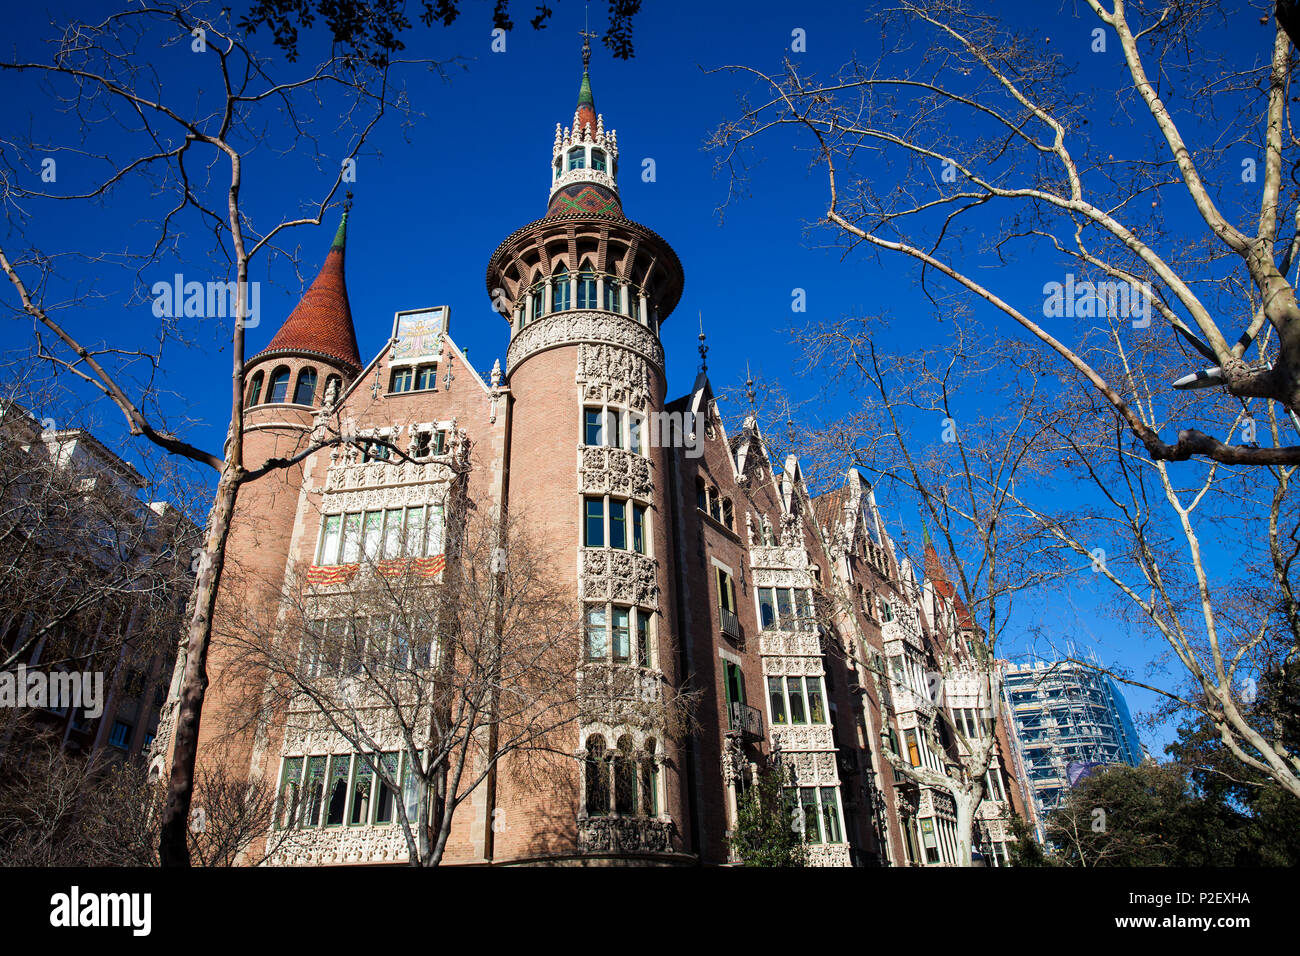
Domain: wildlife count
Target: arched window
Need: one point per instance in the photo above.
(560, 290)
(255, 392)
(597, 777)
(305, 391)
(649, 781)
(587, 289)
(598, 159)
(279, 388)
(578, 158)
(624, 777)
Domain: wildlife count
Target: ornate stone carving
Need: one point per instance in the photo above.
(611, 374)
(608, 574)
(614, 471)
(326, 845)
(829, 854)
(571, 328)
(792, 666)
(624, 835)
(789, 644)
(805, 737)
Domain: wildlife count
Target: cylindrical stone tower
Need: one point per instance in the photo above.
(585, 290)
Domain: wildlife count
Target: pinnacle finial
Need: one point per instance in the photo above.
(704, 349)
(587, 36)
(749, 387)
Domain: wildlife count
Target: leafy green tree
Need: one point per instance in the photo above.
(764, 833)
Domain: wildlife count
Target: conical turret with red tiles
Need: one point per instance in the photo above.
(321, 325)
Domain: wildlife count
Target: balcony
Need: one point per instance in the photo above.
(746, 721)
(730, 624)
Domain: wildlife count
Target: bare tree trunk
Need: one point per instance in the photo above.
(173, 847)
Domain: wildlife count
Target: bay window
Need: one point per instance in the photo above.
(413, 532)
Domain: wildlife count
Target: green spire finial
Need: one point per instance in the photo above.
(925, 532)
(341, 237)
(584, 93)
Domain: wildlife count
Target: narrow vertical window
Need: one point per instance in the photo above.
(634, 427)
(591, 427)
(597, 635)
(351, 538)
(624, 777)
(393, 532)
(808, 798)
(384, 800)
(816, 706)
(650, 781)
(539, 302)
(831, 815)
(594, 526)
(776, 700)
(618, 525)
(255, 392)
(314, 792)
(435, 530)
(621, 634)
(638, 529)
(613, 432)
(597, 777)
(767, 607)
(587, 290)
(643, 639)
(560, 290)
(793, 686)
(611, 295)
(337, 793)
(363, 779)
(329, 546)
(290, 788)
(415, 532)
(373, 528)
(411, 788)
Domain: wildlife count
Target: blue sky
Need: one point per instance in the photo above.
(431, 209)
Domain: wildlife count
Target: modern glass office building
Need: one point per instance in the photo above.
(1066, 717)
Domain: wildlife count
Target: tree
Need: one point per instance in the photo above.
(373, 29)
(211, 118)
(976, 149)
(62, 809)
(768, 828)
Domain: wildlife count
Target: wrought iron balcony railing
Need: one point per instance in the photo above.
(746, 721)
(730, 623)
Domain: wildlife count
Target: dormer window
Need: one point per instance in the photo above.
(598, 160)
(578, 158)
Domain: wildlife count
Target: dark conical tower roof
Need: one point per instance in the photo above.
(321, 324)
